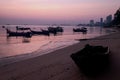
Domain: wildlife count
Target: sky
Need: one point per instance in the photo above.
(55, 11)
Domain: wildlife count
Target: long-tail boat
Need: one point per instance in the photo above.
(55, 30)
(42, 32)
(23, 34)
(83, 29)
(22, 28)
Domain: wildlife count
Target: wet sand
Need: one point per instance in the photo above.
(58, 65)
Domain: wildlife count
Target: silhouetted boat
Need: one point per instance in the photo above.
(52, 30)
(83, 29)
(22, 28)
(45, 32)
(59, 29)
(55, 30)
(23, 34)
(42, 32)
(92, 60)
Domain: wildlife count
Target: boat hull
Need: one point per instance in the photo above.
(92, 63)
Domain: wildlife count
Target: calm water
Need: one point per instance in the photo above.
(39, 45)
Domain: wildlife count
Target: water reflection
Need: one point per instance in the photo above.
(101, 30)
(16, 40)
(91, 29)
(17, 45)
(26, 40)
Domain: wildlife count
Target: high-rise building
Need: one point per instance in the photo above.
(101, 21)
(91, 22)
(108, 19)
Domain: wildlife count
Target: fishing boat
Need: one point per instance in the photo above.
(55, 30)
(42, 32)
(59, 29)
(22, 28)
(45, 32)
(15, 34)
(52, 30)
(83, 29)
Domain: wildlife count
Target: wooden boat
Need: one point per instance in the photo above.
(21, 28)
(57, 29)
(92, 60)
(52, 30)
(23, 34)
(83, 29)
(45, 32)
(42, 32)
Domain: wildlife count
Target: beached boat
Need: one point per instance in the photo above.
(92, 60)
(23, 34)
(83, 29)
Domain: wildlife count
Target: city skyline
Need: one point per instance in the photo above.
(55, 11)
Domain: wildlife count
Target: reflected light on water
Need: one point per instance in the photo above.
(17, 45)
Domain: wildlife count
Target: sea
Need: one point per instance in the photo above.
(14, 49)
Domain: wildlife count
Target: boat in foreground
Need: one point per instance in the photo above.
(92, 60)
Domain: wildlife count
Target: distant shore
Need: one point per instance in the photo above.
(58, 65)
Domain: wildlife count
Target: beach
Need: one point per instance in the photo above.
(58, 65)
(13, 46)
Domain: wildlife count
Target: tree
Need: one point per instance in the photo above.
(116, 20)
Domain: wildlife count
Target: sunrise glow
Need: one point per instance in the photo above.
(55, 10)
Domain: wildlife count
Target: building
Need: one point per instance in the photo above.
(101, 21)
(108, 19)
(91, 22)
(97, 24)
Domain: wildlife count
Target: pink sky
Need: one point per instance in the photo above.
(58, 11)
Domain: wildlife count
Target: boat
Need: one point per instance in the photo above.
(42, 32)
(15, 34)
(55, 30)
(92, 60)
(83, 29)
(21, 28)
(59, 29)
(45, 32)
(52, 30)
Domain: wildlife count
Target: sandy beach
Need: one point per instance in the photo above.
(58, 65)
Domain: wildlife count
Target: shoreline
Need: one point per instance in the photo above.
(58, 65)
(16, 58)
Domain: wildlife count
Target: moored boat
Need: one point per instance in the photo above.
(22, 28)
(55, 30)
(83, 29)
(15, 34)
(42, 32)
